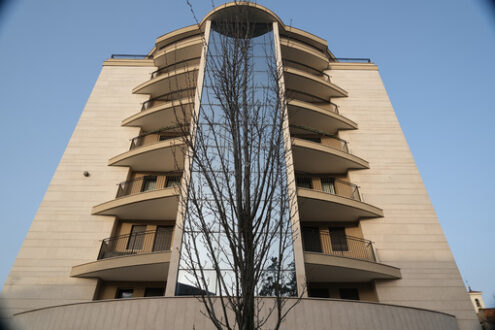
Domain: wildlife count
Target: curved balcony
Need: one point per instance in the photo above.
(342, 259)
(176, 80)
(143, 256)
(185, 33)
(337, 201)
(182, 50)
(145, 198)
(310, 84)
(162, 114)
(308, 313)
(325, 118)
(295, 51)
(313, 157)
(162, 156)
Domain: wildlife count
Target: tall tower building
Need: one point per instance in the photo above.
(368, 251)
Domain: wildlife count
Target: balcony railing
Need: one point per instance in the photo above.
(175, 66)
(333, 243)
(151, 138)
(131, 56)
(147, 183)
(329, 185)
(168, 97)
(326, 140)
(353, 60)
(158, 240)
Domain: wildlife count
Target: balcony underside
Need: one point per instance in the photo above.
(328, 268)
(319, 206)
(164, 156)
(308, 115)
(176, 80)
(151, 205)
(151, 267)
(315, 158)
(298, 52)
(180, 51)
(306, 83)
(162, 115)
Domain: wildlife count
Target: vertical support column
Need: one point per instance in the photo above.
(184, 187)
(294, 212)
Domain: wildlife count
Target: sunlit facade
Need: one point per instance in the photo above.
(363, 246)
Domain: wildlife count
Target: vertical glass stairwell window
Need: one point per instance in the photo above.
(328, 185)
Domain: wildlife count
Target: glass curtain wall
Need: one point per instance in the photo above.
(237, 222)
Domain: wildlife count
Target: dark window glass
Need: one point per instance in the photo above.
(163, 238)
(318, 293)
(311, 138)
(338, 239)
(149, 183)
(327, 185)
(477, 303)
(124, 293)
(165, 137)
(311, 239)
(350, 294)
(136, 238)
(172, 181)
(304, 182)
(154, 292)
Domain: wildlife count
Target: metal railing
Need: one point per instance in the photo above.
(130, 56)
(351, 60)
(136, 243)
(175, 66)
(136, 186)
(331, 140)
(330, 243)
(168, 97)
(330, 185)
(146, 139)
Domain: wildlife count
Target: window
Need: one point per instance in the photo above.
(304, 182)
(163, 238)
(338, 239)
(477, 302)
(318, 293)
(124, 293)
(327, 185)
(172, 181)
(136, 238)
(349, 294)
(311, 239)
(154, 292)
(164, 137)
(149, 183)
(311, 138)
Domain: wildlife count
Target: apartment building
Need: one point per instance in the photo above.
(105, 246)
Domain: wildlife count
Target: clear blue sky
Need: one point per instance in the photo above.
(436, 59)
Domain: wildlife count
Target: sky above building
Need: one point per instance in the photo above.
(434, 58)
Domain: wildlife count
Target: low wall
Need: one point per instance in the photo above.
(185, 312)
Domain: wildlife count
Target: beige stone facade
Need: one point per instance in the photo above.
(368, 230)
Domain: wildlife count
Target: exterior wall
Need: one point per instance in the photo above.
(409, 236)
(184, 313)
(64, 233)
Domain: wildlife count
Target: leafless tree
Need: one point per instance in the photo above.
(237, 232)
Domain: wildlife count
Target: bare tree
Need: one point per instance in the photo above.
(237, 232)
